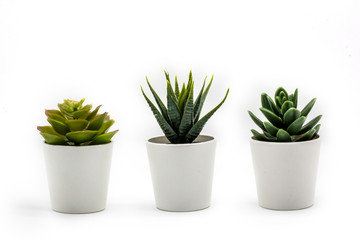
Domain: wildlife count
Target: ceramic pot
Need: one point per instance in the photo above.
(182, 174)
(78, 177)
(285, 173)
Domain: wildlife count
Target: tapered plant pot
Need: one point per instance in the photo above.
(78, 177)
(182, 174)
(285, 173)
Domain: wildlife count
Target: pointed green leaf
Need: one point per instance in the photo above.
(286, 106)
(295, 127)
(317, 128)
(307, 136)
(271, 129)
(56, 117)
(290, 116)
(198, 101)
(164, 125)
(161, 105)
(80, 114)
(167, 76)
(93, 113)
(310, 125)
(283, 136)
(272, 117)
(264, 102)
(187, 120)
(308, 107)
(105, 127)
(274, 107)
(202, 100)
(291, 97)
(176, 88)
(97, 121)
(59, 127)
(173, 111)
(54, 112)
(103, 138)
(77, 124)
(295, 98)
(65, 109)
(81, 136)
(198, 126)
(53, 139)
(48, 129)
(257, 121)
(259, 136)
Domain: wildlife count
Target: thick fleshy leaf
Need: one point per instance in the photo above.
(48, 129)
(283, 136)
(271, 129)
(80, 114)
(257, 121)
(81, 136)
(295, 98)
(317, 128)
(278, 102)
(259, 136)
(274, 107)
(202, 100)
(105, 127)
(103, 138)
(199, 125)
(167, 76)
(291, 97)
(77, 124)
(310, 125)
(187, 120)
(93, 113)
(286, 106)
(278, 93)
(295, 127)
(96, 122)
(170, 134)
(264, 102)
(65, 109)
(56, 117)
(53, 139)
(161, 105)
(49, 112)
(182, 98)
(272, 117)
(173, 111)
(59, 127)
(306, 136)
(308, 107)
(290, 116)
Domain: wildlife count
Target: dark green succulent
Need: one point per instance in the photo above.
(180, 121)
(286, 122)
(77, 125)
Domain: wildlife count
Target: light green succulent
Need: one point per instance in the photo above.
(286, 122)
(76, 125)
(180, 121)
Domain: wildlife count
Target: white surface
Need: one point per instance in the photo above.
(182, 174)
(78, 177)
(285, 173)
(50, 50)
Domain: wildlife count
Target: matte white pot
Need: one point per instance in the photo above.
(182, 173)
(78, 177)
(285, 173)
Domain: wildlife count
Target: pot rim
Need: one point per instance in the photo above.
(211, 139)
(317, 139)
(69, 146)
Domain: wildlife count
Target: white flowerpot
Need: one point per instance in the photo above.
(78, 177)
(285, 173)
(182, 173)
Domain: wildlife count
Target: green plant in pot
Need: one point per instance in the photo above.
(181, 162)
(78, 152)
(286, 153)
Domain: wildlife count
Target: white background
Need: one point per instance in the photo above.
(102, 50)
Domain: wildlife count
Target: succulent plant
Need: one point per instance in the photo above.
(180, 121)
(286, 122)
(76, 125)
